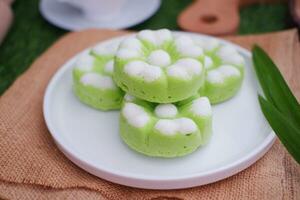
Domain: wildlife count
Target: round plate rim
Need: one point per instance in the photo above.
(152, 182)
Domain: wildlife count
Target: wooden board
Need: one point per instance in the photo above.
(215, 17)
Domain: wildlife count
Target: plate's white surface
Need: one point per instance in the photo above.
(90, 138)
(67, 17)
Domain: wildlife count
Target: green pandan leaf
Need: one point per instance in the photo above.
(274, 86)
(280, 107)
(287, 132)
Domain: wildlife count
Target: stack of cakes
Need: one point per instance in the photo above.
(164, 84)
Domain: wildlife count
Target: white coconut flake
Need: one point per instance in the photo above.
(191, 51)
(185, 68)
(131, 43)
(236, 59)
(135, 68)
(172, 126)
(159, 58)
(186, 125)
(125, 53)
(147, 35)
(135, 115)
(157, 37)
(162, 36)
(229, 70)
(229, 55)
(208, 62)
(166, 126)
(226, 50)
(201, 107)
(183, 41)
(109, 66)
(105, 50)
(186, 47)
(151, 73)
(129, 97)
(192, 66)
(207, 44)
(178, 72)
(98, 81)
(219, 74)
(165, 110)
(215, 76)
(143, 70)
(85, 62)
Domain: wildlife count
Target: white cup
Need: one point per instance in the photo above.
(97, 10)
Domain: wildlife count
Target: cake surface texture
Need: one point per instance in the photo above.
(165, 130)
(93, 82)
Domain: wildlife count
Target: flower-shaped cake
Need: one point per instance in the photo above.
(159, 67)
(92, 78)
(165, 130)
(224, 68)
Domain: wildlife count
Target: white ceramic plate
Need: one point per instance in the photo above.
(67, 17)
(90, 138)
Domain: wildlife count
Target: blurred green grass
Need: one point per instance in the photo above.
(30, 34)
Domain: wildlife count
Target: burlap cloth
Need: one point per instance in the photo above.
(31, 166)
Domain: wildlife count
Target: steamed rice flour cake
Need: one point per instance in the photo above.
(165, 130)
(224, 68)
(170, 82)
(92, 78)
(159, 67)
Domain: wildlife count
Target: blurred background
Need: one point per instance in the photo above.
(30, 33)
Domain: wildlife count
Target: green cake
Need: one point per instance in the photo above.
(165, 130)
(224, 68)
(158, 66)
(92, 79)
(170, 81)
